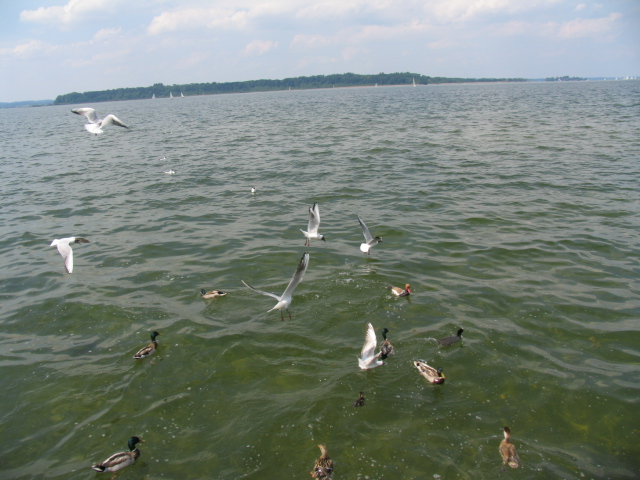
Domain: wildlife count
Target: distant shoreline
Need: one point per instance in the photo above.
(433, 81)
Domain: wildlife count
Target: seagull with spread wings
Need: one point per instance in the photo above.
(285, 299)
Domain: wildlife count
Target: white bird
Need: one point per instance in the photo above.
(367, 358)
(65, 250)
(171, 171)
(314, 224)
(95, 124)
(253, 190)
(368, 238)
(285, 300)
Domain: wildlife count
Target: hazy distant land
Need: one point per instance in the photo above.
(160, 90)
(297, 83)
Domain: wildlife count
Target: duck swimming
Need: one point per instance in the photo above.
(508, 450)
(359, 401)
(323, 468)
(149, 349)
(386, 348)
(428, 372)
(212, 293)
(400, 292)
(448, 341)
(120, 460)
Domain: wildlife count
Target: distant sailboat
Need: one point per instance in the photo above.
(181, 94)
(170, 95)
(153, 97)
(414, 82)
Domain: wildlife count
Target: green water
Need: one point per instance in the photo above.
(511, 209)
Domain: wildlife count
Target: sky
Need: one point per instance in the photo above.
(53, 47)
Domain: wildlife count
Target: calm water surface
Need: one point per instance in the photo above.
(512, 209)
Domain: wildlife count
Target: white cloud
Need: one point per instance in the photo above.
(454, 11)
(312, 41)
(579, 7)
(386, 32)
(27, 50)
(72, 12)
(581, 27)
(259, 47)
(106, 33)
(198, 18)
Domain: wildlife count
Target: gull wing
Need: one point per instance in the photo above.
(261, 292)
(368, 238)
(90, 113)
(112, 119)
(297, 277)
(67, 255)
(370, 343)
(314, 219)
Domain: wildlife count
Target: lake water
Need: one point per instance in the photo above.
(511, 209)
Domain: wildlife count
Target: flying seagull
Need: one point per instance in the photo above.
(65, 250)
(368, 238)
(95, 124)
(367, 358)
(314, 224)
(285, 300)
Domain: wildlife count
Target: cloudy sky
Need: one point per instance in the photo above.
(52, 47)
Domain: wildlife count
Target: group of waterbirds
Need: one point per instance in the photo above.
(368, 358)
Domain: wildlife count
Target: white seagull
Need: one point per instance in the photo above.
(367, 358)
(314, 224)
(95, 124)
(171, 171)
(368, 238)
(65, 250)
(285, 300)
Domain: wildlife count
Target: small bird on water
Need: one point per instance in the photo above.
(323, 467)
(359, 401)
(448, 341)
(428, 372)
(149, 349)
(400, 292)
(120, 460)
(212, 293)
(386, 348)
(508, 450)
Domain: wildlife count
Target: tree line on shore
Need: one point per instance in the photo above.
(316, 81)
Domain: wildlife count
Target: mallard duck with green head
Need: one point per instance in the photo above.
(428, 372)
(323, 467)
(149, 349)
(120, 460)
